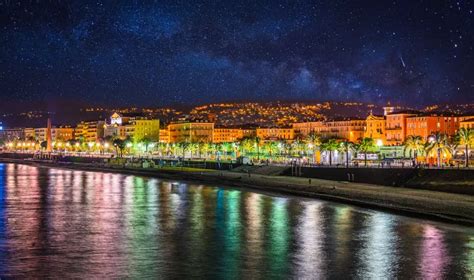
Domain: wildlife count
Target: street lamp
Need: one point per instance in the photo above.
(379, 143)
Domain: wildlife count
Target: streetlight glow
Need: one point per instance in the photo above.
(379, 143)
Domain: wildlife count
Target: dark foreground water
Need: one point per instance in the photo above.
(62, 224)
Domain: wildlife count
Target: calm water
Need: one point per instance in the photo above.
(87, 224)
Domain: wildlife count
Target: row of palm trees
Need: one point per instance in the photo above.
(440, 144)
(308, 146)
(254, 147)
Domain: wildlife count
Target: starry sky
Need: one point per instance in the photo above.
(161, 53)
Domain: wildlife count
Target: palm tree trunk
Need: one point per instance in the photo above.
(347, 157)
(330, 158)
(365, 159)
(439, 157)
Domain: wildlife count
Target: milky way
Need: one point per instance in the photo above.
(190, 52)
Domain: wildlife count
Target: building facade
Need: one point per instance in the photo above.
(396, 127)
(164, 136)
(351, 130)
(306, 128)
(61, 133)
(11, 134)
(375, 128)
(191, 132)
(467, 123)
(136, 127)
(223, 135)
(275, 133)
(90, 131)
(425, 126)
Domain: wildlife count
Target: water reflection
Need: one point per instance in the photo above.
(91, 224)
(433, 254)
(375, 262)
(310, 255)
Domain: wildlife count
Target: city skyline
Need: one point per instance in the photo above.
(164, 54)
(280, 139)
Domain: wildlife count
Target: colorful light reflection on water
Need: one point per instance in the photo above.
(67, 223)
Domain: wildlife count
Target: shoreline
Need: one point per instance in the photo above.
(418, 203)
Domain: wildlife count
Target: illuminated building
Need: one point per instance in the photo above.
(191, 132)
(145, 128)
(61, 133)
(164, 136)
(249, 132)
(388, 110)
(9, 134)
(375, 128)
(351, 130)
(305, 128)
(135, 126)
(426, 125)
(223, 135)
(396, 124)
(467, 123)
(275, 133)
(90, 131)
(29, 133)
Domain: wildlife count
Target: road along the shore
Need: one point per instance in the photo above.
(455, 208)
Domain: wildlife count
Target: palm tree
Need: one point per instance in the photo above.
(439, 143)
(465, 136)
(200, 146)
(246, 145)
(206, 148)
(313, 141)
(298, 147)
(366, 145)
(257, 144)
(119, 144)
(345, 147)
(329, 145)
(272, 148)
(413, 144)
(184, 146)
(44, 145)
(146, 141)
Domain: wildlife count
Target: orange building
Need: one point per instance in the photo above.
(351, 130)
(305, 128)
(467, 123)
(191, 132)
(425, 126)
(61, 133)
(164, 136)
(275, 133)
(223, 135)
(396, 127)
(375, 128)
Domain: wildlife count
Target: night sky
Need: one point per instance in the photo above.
(193, 52)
